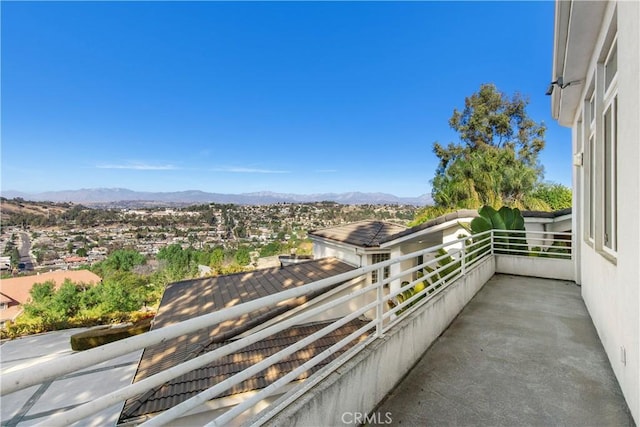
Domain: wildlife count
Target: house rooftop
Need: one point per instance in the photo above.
(372, 234)
(363, 233)
(191, 298)
(198, 380)
(16, 290)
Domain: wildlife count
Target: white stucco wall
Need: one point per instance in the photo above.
(547, 268)
(611, 288)
(327, 249)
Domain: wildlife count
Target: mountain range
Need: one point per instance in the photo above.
(93, 196)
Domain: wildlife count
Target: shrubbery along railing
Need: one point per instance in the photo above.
(386, 305)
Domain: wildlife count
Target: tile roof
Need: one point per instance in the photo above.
(370, 234)
(198, 380)
(16, 290)
(540, 214)
(363, 233)
(462, 213)
(191, 298)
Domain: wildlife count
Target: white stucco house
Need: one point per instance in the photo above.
(368, 242)
(596, 92)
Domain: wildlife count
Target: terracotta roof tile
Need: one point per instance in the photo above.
(188, 385)
(362, 233)
(191, 298)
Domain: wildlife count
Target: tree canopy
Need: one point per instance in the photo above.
(495, 162)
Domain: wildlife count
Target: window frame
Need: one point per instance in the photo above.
(377, 258)
(609, 167)
(601, 137)
(589, 144)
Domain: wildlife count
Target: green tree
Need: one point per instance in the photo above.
(243, 256)
(15, 257)
(66, 301)
(40, 303)
(180, 263)
(217, 257)
(122, 260)
(496, 160)
(557, 196)
(270, 249)
(114, 298)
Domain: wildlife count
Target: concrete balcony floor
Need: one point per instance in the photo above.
(523, 352)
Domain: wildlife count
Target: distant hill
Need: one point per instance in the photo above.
(101, 196)
(15, 207)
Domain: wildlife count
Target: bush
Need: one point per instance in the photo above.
(26, 325)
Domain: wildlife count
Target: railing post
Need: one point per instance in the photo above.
(492, 242)
(380, 300)
(463, 257)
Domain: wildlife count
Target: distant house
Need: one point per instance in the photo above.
(596, 70)
(75, 261)
(369, 242)
(15, 292)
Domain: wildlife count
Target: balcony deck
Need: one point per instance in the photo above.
(523, 352)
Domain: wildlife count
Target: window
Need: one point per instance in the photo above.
(610, 197)
(601, 136)
(611, 66)
(592, 186)
(3, 306)
(590, 164)
(609, 159)
(376, 258)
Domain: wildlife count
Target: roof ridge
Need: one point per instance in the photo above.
(380, 227)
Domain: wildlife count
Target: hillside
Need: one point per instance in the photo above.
(10, 208)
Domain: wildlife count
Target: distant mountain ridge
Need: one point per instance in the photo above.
(91, 196)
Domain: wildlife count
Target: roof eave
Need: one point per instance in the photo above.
(574, 43)
(561, 29)
(455, 222)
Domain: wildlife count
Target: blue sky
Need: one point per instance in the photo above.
(293, 97)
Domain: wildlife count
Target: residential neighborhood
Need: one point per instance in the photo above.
(69, 245)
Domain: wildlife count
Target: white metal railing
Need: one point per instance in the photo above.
(542, 244)
(386, 305)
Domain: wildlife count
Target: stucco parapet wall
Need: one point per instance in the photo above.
(469, 214)
(546, 268)
(360, 383)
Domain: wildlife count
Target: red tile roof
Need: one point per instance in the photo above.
(15, 291)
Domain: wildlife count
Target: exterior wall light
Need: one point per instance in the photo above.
(561, 84)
